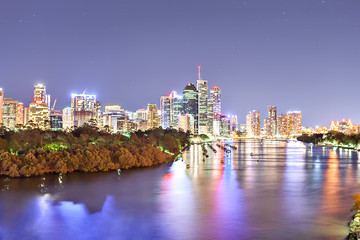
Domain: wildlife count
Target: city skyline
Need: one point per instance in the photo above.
(293, 62)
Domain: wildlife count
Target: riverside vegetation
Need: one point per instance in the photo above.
(34, 152)
(336, 139)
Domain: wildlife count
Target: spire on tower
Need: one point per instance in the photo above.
(199, 72)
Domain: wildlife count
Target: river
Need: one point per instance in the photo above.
(284, 190)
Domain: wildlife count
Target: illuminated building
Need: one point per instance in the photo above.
(225, 126)
(210, 116)
(345, 126)
(186, 123)
(140, 114)
(97, 118)
(243, 128)
(190, 104)
(113, 108)
(67, 118)
(152, 116)
(1, 104)
(234, 126)
(56, 120)
(176, 107)
(40, 93)
(84, 108)
(294, 123)
(253, 124)
(165, 111)
(215, 96)
(26, 115)
(12, 113)
(202, 88)
(282, 125)
(272, 122)
(268, 127)
(39, 115)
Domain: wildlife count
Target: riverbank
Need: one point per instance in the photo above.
(354, 227)
(34, 152)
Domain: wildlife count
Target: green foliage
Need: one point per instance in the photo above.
(86, 149)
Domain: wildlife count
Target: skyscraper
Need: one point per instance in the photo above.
(12, 113)
(272, 122)
(215, 95)
(67, 118)
(39, 115)
(253, 124)
(176, 107)
(84, 108)
(165, 111)
(202, 88)
(210, 116)
(282, 126)
(190, 104)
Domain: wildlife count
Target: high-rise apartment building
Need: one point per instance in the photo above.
(282, 126)
(190, 104)
(202, 88)
(271, 124)
(39, 93)
(210, 116)
(253, 124)
(12, 113)
(294, 123)
(67, 118)
(39, 115)
(153, 118)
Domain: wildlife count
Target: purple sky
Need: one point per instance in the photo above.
(295, 54)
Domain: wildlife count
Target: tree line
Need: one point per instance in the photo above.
(34, 152)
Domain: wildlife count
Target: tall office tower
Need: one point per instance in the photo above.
(234, 126)
(202, 87)
(294, 123)
(272, 122)
(153, 118)
(282, 126)
(176, 107)
(1, 104)
(253, 124)
(56, 121)
(67, 118)
(40, 93)
(210, 116)
(215, 95)
(186, 123)
(84, 108)
(165, 111)
(268, 127)
(190, 104)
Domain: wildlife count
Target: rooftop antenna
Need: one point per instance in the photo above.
(199, 72)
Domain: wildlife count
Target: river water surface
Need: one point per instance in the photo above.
(284, 191)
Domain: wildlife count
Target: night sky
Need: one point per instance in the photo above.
(295, 54)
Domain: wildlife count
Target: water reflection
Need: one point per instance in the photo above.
(261, 190)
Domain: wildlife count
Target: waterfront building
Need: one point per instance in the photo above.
(345, 126)
(210, 116)
(215, 95)
(67, 118)
(243, 127)
(56, 122)
(186, 123)
(234, 126)
(1, 104)
(253, 124)
(268, 127)
(190, 104)
(83, 106)
(202, 88)
(272, 121)
(225, 126)
(282, 126)
(153, 118)
(294, 123)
